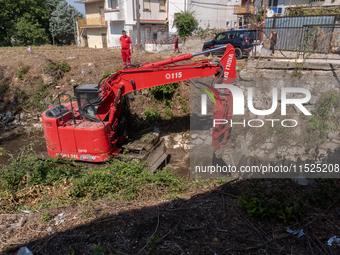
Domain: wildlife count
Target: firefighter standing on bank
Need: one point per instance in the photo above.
(176, 44)
(125, 42)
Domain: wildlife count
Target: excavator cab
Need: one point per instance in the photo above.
(84, 94)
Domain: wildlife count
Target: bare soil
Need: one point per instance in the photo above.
(205, 221)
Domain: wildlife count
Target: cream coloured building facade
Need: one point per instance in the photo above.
(105, 19)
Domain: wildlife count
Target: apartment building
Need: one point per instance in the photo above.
(214, 13)
(105, 19)
(94, 29)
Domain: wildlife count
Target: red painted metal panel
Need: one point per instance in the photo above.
(92, 138)
(67, 139)
(51, 133)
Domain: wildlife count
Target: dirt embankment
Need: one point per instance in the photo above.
(27, 80)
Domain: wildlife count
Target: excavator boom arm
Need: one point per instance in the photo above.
(158, 73)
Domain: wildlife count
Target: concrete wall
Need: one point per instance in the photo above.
(92, 9)
(121, 18)
(262, 76)
(154, 13)
(115, 32)
(160, 47)
(215, 14)
(175, 6)
(94, 37)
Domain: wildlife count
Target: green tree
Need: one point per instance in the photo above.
(62, 23)
(259, 15)
(51, 5)
(186, 23)
(23, 22)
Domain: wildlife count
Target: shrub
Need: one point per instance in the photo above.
(276, 199)
(326, 116)
(151, 115)
(22, 71)
(164, 92)
(186, 23)
(52, 67)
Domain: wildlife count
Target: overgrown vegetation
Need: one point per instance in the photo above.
(63, 181)
(284, 199)
(307, 11)
(151, 115)
(52, 67)
(34, 97)
(325, 117)
(184, 104)
(164, 92)
(22, 71)
(265, 199)
(46, 217)
(259, 15)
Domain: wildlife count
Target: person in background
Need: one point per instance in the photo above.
(125, 42)
(274, 38)
(176, 44)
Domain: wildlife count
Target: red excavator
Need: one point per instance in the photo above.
(91, 128)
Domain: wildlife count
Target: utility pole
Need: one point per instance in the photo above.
(138, 25)
(78, 34)
(74, 29)
(264, 19)
(53, 34)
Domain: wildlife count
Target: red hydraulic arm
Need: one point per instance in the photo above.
(223, 111)
(155, 74)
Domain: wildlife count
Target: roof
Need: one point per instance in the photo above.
(152, 21)
(98, 26)
(88, 1)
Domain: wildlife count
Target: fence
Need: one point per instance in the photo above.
(277, 22)
(305, 34)
(309, 38)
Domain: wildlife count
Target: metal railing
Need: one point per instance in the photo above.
(244, 9)
(99, 21)
(305, 40)
(257, 5)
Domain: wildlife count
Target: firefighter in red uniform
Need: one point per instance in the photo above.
(125, 42)
(176, 44)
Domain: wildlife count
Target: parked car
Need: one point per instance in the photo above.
(243, 41)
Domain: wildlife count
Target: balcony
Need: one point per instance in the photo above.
(244, 9)
(114, 15)
(93, 22)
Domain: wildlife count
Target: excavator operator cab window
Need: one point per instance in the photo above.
(84, 94)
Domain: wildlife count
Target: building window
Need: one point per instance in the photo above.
(227, 23)
(114, 4)
(146, 5)
(162, 7)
